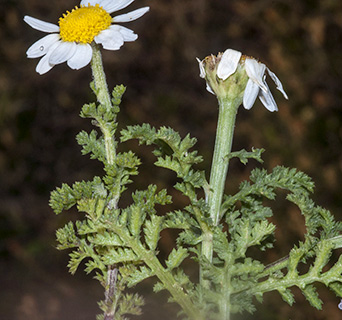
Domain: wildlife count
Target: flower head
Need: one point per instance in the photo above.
(235, 75)
(71, 40)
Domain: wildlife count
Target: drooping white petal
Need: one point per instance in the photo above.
(43, 65)
(41, 47)
(81, 57)
(130, 16)
(201, 67)
(63, 52)
(41, 25)
(111, 39)
(228, 64)
(112, 5)
(267, 100)
(277, 82)
(255, 71)
(250, 95)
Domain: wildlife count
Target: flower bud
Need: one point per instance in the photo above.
(239, 78)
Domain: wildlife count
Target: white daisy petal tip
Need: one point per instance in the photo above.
(228, 64)
(268, 100)
(278, 83)
(250, 94)
(131, 16)
(110, 5)
(127, 35)
(41, 47)
(43, 65)
(208, 87)
(201, 67)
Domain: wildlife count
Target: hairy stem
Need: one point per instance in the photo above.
(112, 277)
(104, 99)
(103, 95)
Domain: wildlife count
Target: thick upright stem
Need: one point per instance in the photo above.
(223, 145)
(104, 99)
(219, 169)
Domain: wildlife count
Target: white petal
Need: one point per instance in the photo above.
(43, 65)
(81, 57)
(228, 64)
(63, 52)
(111, 39)
(41, 25)
(255, 71)
(112, 5)
(277, 82)
(208, 87)
(201, 67)
(267, 100)
(127, 34)
(130, 16)
(41, 47)
(251, 93)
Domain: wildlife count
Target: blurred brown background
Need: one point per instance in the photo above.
(299, 40)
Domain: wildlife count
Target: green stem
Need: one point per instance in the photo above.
(223, 145)
(173, 287)
(225, 296)
(165, 276)
(103, 97)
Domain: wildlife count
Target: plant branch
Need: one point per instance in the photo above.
(165, 276)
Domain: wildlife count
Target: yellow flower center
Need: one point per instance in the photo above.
(82, 24)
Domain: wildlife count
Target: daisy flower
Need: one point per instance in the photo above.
(226, 65)
(70, 41)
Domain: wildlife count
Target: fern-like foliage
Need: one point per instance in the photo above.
(120, 246)
(235, 278)
(248, 226)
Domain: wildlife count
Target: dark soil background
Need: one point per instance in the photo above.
(300, 40)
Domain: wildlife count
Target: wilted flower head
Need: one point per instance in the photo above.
(236, 76)
(70, 41)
